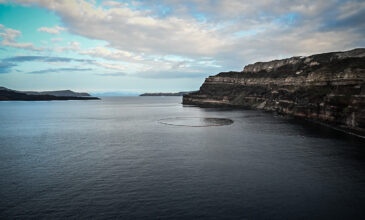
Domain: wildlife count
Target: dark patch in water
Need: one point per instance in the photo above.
(195, 121)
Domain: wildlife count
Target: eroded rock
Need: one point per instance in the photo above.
(326, 87)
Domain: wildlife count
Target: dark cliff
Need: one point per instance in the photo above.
(327, 87)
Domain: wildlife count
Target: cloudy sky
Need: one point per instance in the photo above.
(166, 45)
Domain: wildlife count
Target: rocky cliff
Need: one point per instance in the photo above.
(327, 87)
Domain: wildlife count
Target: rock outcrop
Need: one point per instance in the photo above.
(327, 87)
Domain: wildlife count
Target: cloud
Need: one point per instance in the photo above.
(56, 39)
(110, 65)
(230, 33)
(139, 30)
(112, 74)
(114, 4)
(133, 30)
(351, 8)
(72, 46)
(9, 35)
(106, 53)
(50, 59)
(171, 74)
(45, 59)
(60, 70)
(6, 67)
(53, 30)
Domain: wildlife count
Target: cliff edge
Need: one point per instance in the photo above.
(327, 87)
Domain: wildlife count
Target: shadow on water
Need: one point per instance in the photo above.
(311, 128)
(195, 121)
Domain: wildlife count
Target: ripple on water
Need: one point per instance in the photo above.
(195, 121)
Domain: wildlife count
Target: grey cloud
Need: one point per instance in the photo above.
(112, 74)
(60, 70)
(275, 29)
(138, 31)
(21, 59)
(171, 74)
(44, 59)
(6, 67)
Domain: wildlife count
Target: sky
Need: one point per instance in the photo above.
(162, 46)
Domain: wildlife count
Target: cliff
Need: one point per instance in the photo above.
(327, 87)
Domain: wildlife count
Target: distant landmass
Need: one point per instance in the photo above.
(58, 93)
(13, 95)
(167, 93)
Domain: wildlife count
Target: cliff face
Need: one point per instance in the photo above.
(326, 87)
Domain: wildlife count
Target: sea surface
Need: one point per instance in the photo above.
(115, 158)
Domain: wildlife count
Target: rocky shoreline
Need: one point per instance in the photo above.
(328, 88)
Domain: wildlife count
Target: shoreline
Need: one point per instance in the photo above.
(347, 131)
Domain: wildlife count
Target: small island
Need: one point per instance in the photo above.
(13, 95)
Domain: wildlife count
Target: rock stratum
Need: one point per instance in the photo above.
(328, 88)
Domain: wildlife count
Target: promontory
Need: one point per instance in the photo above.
(327, 88)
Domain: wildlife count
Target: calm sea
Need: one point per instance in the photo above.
(114, 158)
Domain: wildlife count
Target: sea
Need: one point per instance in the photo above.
(154, 158)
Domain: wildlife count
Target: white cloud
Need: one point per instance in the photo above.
(9, 35)
(109, 65)
(72, 46)
(114, 4)
(56, 39)
(131, 30)
(54, 30)
(230, 32)
(106, 53)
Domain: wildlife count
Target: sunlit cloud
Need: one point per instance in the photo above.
(53, 30)
(178, 40)
(9, 36)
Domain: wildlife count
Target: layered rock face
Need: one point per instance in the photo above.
(326, 87)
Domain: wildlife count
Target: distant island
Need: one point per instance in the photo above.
(166, 93)
(14, 95)
(68, 93)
